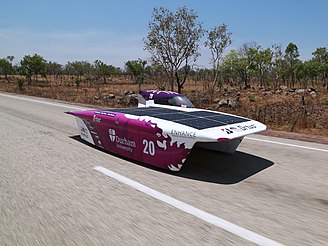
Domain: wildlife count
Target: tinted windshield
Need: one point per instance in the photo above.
(180, 101)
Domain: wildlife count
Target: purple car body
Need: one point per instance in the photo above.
(162, 135)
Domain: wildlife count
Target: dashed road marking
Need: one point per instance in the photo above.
(210, 218)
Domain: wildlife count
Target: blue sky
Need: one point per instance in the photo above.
(113, 31)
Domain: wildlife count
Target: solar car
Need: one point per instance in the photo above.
(163, 129)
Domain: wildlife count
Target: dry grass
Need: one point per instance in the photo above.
(279, 111)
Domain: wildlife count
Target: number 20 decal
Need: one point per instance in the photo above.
(149, 147)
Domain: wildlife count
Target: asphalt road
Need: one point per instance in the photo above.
(51, 193)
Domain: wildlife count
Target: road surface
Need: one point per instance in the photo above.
(57, 190)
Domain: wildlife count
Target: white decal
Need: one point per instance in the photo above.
(121, 143)
(245, 128)
(149, 148)
(227, 131)
(174, 168)
(162, 145)
(96, 119)
(84, 131)
(184, 134)
(111, 133)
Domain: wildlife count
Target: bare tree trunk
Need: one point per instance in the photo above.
(6, 77)
(172, 82)
(178, 82)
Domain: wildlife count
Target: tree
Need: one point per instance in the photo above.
(33, 66)
(218, 39)
(173, 40)
(320, 57)
(278, 65)
(261, 62)
(78, 68)
(156, 72)
(54, 69)
(291, 55)
(6, 67)
(137, 70)
(245, 63)
(103, 70)
(230, 67)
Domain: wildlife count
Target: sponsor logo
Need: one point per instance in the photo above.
(236, 129)
(183, 134)
(111, 133)
(227, 131)
(105, 113)
(96, 119)
(121, 143)
(247, 127)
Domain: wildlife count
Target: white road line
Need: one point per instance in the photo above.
(221, 223)
(42, 102)
(286, 144)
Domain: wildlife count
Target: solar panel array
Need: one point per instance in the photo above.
(196, 119)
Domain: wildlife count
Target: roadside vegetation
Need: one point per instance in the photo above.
(269, 84)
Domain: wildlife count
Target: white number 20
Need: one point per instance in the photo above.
(149, 148)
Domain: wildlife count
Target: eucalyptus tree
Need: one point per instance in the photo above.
(261, 62)
(6, 67)
(102, 70)
(54, 69)
(173, 41)
(137, 70)
(245, 62)
(231, 67)
(291, 57)
(33, 66)
(78, 68)
(320, 57)
(156, 74)
(278, 65)
(218, 39)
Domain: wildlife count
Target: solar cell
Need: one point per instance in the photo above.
(204, 113)
(201, 123)
(197, 119)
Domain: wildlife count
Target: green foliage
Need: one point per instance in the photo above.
(218, 39)
(173, 40)
(230, 64)
(78, 68)
(325, 102)
(261, 63)
(20, 83)
(251, 98)
(291, 52)
(291, 55)
(320, 60)
(33, 66)
(103, 70)
(240, 64)
(137, 69)
(219, 84)
(53, 68)
(6, 67)
(77, 82)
